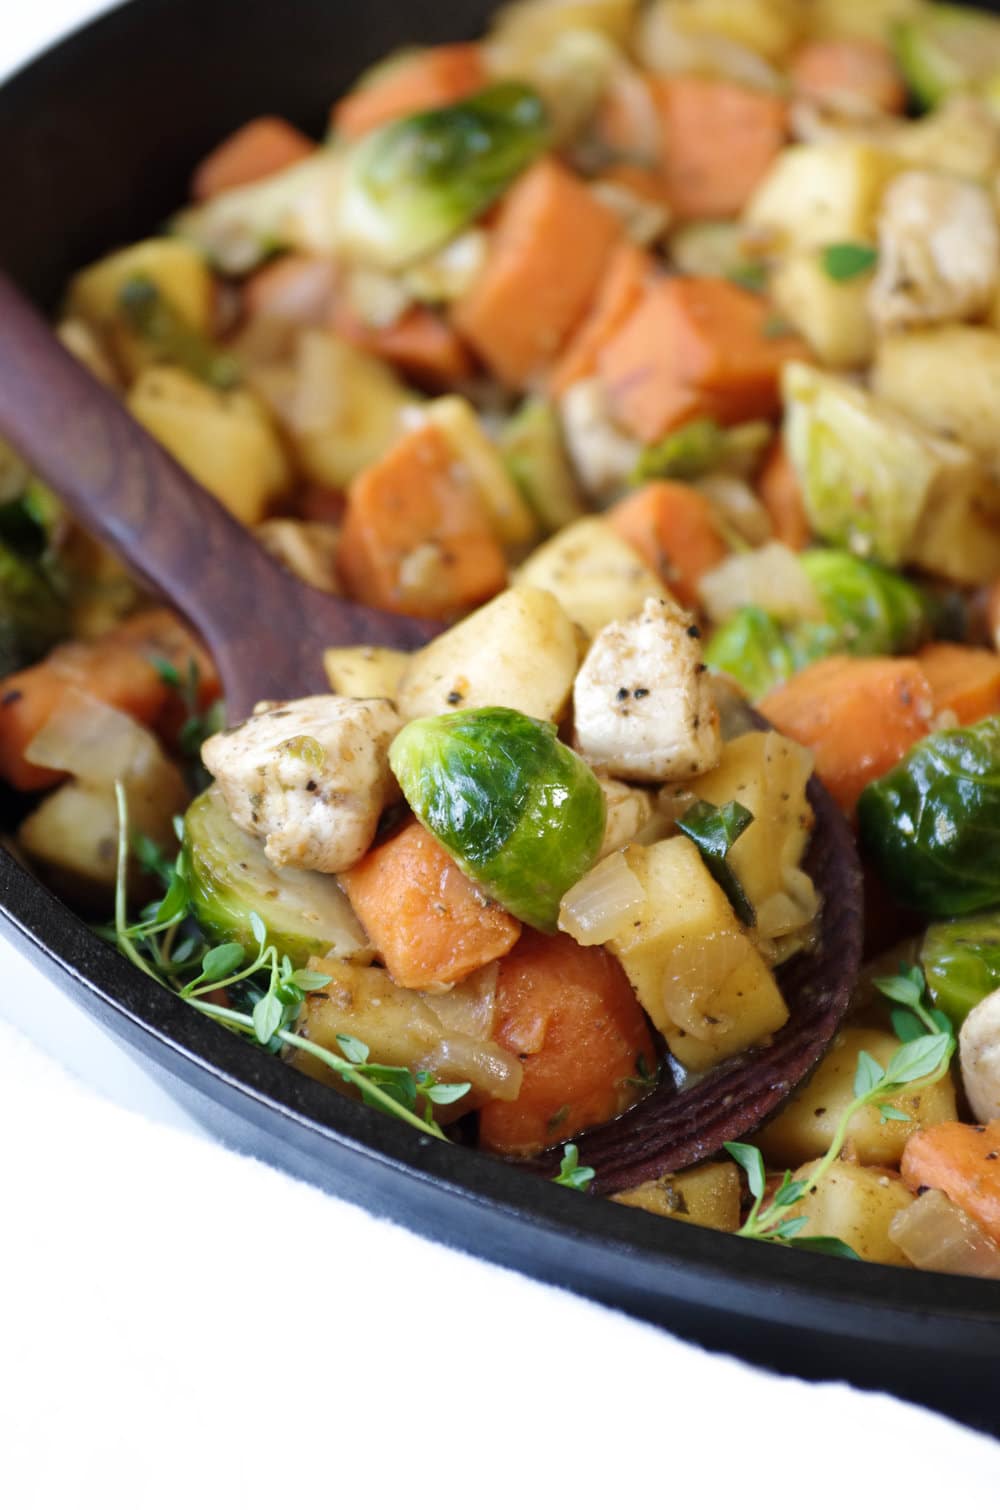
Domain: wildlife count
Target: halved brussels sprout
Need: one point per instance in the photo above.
(33, 613)
(415, 183)
(932, 824)
(758, 652)
(532, 446)
(947, 49)
(517, 810)
(961, 960)
(229, 878)
(874, 611)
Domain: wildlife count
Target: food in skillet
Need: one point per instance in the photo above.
(653, 349)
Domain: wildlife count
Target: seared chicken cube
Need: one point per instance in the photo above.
(310, 777)
(939, 252)
(643, 701)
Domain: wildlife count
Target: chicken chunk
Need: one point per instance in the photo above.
(979, 1057)
(643, 702)
(310, 777)
(939, 252)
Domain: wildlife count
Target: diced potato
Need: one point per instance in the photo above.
(401, 1027)
(819, 194)
(856, 1204)
(768, 773)
(832, 317)
(868, 473)
(82, 340)
(959, 539)
(805, 1126)
(342, 408)
(708, 1196)
(225, 440)
(365, 670)
(595, 576)
(693, 968)
(513, 521)
(519, 651)
(179, 271)
(858, 18)
(306, 547)
(948, 381)
(629, 810)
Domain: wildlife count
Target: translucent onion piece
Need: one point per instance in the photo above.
(470, 1007)
(739, 513)
(97, 744)
(936, 1234)
(663, 47)
(772, 578)
(608, 899)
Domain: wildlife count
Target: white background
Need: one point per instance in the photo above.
(182, 1328)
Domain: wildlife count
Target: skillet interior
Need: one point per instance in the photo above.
(97, 138)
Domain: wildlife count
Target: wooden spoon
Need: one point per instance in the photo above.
(265, 629)
(267, 632)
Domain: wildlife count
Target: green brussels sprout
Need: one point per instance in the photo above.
(518, 811)
(945, 49)
(414, 184)
(932, 824)
(229, 878)
(867, 473)
(961, 962)
(759, 652)
(874, 611)
(703, 446)
(170, 338)
(532, 447)
(33, 612)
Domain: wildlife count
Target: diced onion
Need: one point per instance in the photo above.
(771, 578)
(608, 899)
(936, 1234)
(89, 740)
(739, 513)
(470, 1007)
(663, 47)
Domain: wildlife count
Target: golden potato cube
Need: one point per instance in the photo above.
(225, 440)
(832, 317)
(593, 573)
(694, 969)
(179, 271)
(857, 1204)
(513, 521)
(708, 1196)
(806, 1125)
(818, 194)
(365, 670)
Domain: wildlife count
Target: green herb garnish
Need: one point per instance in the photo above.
(925, 1052)
(845, 260)
(715, 830)
(573, 1174)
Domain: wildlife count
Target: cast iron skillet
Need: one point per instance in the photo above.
(97, 139)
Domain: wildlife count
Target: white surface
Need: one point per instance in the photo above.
(184, 1328)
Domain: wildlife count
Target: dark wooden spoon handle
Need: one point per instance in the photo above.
(265, 629)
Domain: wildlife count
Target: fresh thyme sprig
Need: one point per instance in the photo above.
(166, 945)
(573, 1174)
(927, 1044)
(198, 725)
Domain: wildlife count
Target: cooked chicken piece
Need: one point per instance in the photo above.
(643, 702)
(979, 1057)
(308, 548)
(604, 456)
(939, 252)
(310, 777)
